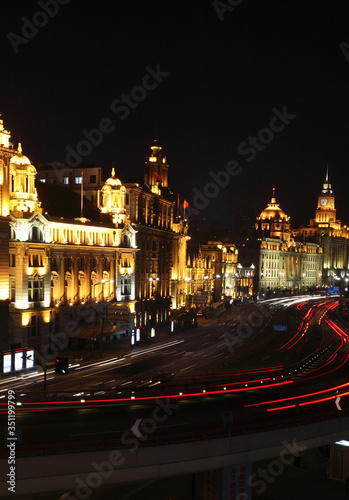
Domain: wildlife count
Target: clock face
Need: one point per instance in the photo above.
(323, 202)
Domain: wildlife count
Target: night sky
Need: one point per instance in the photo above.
(223, 76)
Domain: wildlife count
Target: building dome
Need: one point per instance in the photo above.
(273, 210)
(113, 181)
(19, 160)
(112, 199)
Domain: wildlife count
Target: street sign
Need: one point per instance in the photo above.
(280, 328)
(333, 290)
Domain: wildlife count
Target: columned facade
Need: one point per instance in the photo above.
(54, 272)
(283, 263)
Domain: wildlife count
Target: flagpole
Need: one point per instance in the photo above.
(178, 205)
(82, 194)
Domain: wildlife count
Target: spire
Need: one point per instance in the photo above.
(273, 200)
(326, 187)
(113, 172)
(19, 148)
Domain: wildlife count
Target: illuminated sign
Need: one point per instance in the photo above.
(280, 328)
(18, 360)
(138, 334)
(7, 362)
(29, 358)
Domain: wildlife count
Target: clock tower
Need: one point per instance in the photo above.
(325, 214)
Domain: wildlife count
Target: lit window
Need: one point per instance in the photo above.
(125, 285)
(66, 180)
(35, 288)
(12, 290)
(78, 180)
(42, 180)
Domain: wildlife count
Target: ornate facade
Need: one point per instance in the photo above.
(329, 232)
(211, 273)
(283, 263)
(57, 267)
(131, 252)
(161, 239)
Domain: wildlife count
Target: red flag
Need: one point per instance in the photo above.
(185, 204)
(178, 201)
(157, 176)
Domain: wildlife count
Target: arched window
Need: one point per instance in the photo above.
(36, 234)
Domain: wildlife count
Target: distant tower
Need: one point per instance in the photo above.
(274, 220)
(156, 169)
(325, 214)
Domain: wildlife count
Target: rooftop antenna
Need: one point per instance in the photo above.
(156, 126)
(273, 197)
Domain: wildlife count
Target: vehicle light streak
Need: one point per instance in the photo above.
(293, 398)
(244, 382)
(307, 403)
(158, 348)
(135, 399)
(99, 363)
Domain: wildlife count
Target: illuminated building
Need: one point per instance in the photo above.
(211, 273)
(199, 279)
(161, 239)
(329, 232)
(245, 280)
(283, 263)
(56, 266)
(6, 153)
(160, 236)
